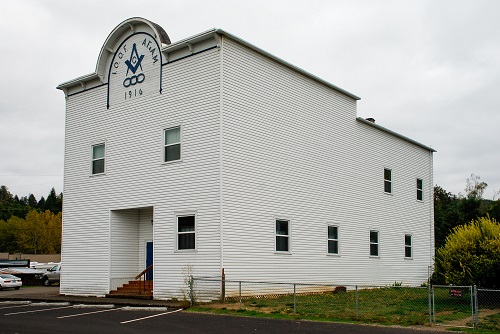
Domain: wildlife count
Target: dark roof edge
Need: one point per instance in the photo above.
(364, 121)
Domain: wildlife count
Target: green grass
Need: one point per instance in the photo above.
(387, 306)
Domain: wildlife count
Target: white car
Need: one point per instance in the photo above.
(10, 281)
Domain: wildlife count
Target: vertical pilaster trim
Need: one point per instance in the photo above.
(432, 241)
(221, 151)
(110, 247)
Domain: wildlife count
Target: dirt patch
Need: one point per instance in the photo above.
(466, 322)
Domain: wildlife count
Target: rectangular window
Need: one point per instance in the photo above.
(420, 189)
(333, 239)
(387, 180)
(186, 232)
(172, 144)
(374, 242)
(282, 235)
(408, 246)
(98, 154)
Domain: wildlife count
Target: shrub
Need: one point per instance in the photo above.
(471, 254)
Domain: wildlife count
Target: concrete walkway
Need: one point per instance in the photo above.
(51, 294)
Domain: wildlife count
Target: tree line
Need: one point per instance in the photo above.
(29, 226)
(467, 236)
(452, 210)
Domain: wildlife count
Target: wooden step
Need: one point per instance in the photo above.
(134, 289)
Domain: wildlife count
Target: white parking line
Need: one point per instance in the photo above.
(86, 313)
(151, 316)
(42, 310)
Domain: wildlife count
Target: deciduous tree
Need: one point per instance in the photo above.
(471, 254)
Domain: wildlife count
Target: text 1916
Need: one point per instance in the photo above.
(133, 93)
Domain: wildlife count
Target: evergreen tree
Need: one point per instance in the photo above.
(32, 201)
(5, 195)
(51, 201)
(41, 203)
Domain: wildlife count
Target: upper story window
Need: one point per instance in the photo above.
(282, 235)
(387, 180)
(98, 158)
(374, 243)
(408, 246)
(333, 239)
(172, 144)
(186, 232)
(420, 189)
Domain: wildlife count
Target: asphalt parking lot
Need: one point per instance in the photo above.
(27, 316)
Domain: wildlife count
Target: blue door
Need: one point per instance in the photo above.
(149, 259)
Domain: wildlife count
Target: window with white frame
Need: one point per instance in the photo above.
(408, 246)
(172, 144)
(186, 232)
(98, 158)
(333, 239)
(420, 189)
(387, 180)
(282, 235)
(374, 243)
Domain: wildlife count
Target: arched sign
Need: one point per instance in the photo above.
(135, 70)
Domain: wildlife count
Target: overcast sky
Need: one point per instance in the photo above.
(429, 70)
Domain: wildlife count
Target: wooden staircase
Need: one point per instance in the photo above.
(138, 289)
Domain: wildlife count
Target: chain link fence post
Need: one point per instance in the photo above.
(239, 283)
(294, 299)
(357, 303)
(223, 287)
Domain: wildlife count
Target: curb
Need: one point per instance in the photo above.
(119, 302)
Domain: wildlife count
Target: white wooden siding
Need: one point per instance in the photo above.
(136, 176)
(259, 141)
(293, 148)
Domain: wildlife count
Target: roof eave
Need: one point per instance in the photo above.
(77, 81)
(362, 120)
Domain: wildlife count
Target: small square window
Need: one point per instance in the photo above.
(374, 243)
(387, 181)
(408, 246)
(172, 144)
(333, 239)
(98, 158)
(420, 189)
(186, 232)
(282, 235)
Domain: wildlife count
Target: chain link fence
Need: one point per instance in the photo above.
(457, 306)
(488, 309)
(453, 305)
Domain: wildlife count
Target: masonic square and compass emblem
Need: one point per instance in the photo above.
(135, 69)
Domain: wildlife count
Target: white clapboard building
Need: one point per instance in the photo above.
(209, 153)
